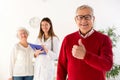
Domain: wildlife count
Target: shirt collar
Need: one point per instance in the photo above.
(88, 34)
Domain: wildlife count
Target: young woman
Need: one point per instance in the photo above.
(44, 67)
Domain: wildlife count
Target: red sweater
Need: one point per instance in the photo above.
(98, 58)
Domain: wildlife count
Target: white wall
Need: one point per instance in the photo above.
(16, 13)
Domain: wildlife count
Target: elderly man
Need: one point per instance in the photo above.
(85, 54)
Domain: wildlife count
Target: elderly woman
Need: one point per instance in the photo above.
(21, 65)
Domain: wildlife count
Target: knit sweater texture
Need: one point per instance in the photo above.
(97, 61)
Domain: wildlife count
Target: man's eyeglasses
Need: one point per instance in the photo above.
(86, 17)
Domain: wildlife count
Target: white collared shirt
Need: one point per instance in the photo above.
(88, 34)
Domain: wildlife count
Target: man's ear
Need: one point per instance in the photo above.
(93, 18)
(75, 19)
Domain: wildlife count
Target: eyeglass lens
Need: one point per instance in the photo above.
(86, 17)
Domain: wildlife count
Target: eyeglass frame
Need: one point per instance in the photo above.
(86, 17)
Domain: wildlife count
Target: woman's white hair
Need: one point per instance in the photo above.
(22, 28)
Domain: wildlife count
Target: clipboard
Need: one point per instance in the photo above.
(36, 47)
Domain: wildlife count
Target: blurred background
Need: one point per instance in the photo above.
(28, 13)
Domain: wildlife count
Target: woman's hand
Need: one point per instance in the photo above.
(10, 79)
(45, 48)
(37, 52)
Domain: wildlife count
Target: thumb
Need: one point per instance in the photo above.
(80, 42)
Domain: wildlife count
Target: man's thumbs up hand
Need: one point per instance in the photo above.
(79, 51)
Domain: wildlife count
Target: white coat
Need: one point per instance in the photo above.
(44, 68)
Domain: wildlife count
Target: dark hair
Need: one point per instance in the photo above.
(50, 32)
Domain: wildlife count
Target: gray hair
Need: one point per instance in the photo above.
(85, 7)
(22, 28)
